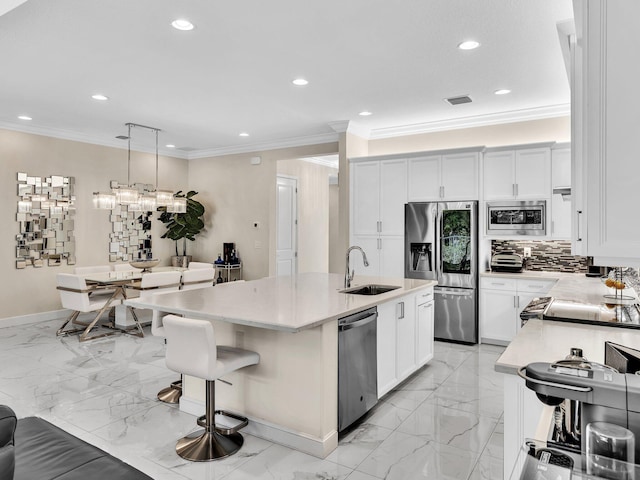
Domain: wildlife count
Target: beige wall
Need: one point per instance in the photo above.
(547, 130)
(236, 194)
(313, 212)
(32, 290)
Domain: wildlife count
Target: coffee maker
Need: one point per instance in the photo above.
(596, 270)
(584, 392)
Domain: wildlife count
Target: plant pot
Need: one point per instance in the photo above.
(180, 261)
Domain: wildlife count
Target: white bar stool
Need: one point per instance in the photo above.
(192, 350)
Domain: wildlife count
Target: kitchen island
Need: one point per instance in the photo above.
(291, 396)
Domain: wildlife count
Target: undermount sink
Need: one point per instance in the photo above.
(369, 289)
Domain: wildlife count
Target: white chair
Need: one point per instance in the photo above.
(74, 295)
(153, 283)
(94, 269)
(196, 265)
(192, 350)
(197, 278)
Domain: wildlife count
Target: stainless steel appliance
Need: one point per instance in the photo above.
(584, 392)
(357, 366)
(517, 218)
(605, 314)
(507, 262)
(441, 243)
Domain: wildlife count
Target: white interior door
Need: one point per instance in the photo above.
(287, 224)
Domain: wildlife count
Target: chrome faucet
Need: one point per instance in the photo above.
(347, 277)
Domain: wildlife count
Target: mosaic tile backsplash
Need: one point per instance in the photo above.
(549, 256)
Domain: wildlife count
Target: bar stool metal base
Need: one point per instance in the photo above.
(202, 446)
(172, 393)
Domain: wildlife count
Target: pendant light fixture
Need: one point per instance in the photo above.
(130, 195)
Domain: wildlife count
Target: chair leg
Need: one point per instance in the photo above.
(85, 335)
(72, 318)
(207, 444)
(172, 393)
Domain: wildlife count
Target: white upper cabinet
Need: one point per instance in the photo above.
(365, 193)
(560, 204)
(446, 176)
(605, 131)
(522, 174)
(378, 195)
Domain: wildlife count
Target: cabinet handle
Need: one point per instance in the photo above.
(517, 190)
(513, 189)
(578, 214)
(401, 314)
(494, 283)
(517, 301)
(379, 244)
(514, 301)
(442, 191)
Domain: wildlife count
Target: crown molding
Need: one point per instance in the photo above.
(91, 139)
(537, 113)
(326, 160)
(259, 147)
(339, 126)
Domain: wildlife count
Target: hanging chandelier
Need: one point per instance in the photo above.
(135, 198)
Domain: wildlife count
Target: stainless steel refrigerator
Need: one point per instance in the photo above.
(441, 243)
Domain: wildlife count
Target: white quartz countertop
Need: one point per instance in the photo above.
(289, 303)
(569, 286)
(545, 341)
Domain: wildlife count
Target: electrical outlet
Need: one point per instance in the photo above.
(527, 252)
(257, 244)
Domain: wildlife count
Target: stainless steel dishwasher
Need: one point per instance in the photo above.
(357, 366)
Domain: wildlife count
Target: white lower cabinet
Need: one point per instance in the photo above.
(404, 338)
(424, 325)
(502, 299)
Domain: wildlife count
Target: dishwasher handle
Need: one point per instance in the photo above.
(358, 323)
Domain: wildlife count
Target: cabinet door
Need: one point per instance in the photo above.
(391, 256)
(459, 174)
(497, 316)
(499, 175)
(533, 173)
(560, 207)
(370, 245)
(365, 198)
(424, 325)
(386, 347)
(393, 196)
(406, 337)
(423, 179)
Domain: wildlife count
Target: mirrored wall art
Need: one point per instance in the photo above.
(45, 211)
(131, 231)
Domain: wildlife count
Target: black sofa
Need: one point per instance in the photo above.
(33, 449)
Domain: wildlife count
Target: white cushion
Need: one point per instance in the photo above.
(80, 301)
(196, 265)
(192, 350)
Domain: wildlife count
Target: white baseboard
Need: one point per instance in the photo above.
(275, 433)
(34, 318)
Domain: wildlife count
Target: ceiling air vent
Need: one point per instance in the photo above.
(459, 100)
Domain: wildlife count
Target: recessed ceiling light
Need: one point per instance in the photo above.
(243, 134)
(469, 45)
(182, 24)
(100, 97)
(502, 91)
(24, 117)
(300, 82)
(365, 113)
(170, 146)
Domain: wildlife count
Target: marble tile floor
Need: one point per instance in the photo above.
(444, 422)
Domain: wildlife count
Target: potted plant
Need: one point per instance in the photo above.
(183, 226)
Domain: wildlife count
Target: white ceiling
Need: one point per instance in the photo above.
(233, 72)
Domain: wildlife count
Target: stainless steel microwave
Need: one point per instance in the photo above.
(517, 218)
